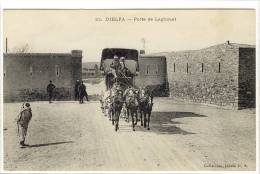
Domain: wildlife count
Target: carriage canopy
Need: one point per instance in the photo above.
(131, 58)
(129, 54)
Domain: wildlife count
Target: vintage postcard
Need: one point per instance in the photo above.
(129, 90)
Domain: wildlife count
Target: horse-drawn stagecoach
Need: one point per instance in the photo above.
(125, 75)
(120, 67)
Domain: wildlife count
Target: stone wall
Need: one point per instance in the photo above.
(209, 75)
(222, 75)
(27, 75)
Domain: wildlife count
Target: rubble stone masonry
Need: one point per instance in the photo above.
(26, 75)
(222, 75)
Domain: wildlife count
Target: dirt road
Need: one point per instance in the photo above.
(69, 136)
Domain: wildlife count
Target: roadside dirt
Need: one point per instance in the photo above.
(69, 136)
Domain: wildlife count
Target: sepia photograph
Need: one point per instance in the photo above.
(129, 90)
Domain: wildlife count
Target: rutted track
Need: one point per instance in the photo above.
(70, 136)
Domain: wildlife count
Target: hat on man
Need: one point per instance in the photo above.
(122, 58)
(27, 104)
(115, 57)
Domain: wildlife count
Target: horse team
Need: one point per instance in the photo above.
(117, 102)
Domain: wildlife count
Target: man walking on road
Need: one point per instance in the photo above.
(50, 90)
(23, 120)
(82, 93)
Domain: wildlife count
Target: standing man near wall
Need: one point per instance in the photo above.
(23, 120)
(76, 90)
(50, 90)
(82, 92)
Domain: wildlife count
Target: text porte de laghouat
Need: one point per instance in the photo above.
(135, 19)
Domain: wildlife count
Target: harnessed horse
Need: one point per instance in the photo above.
(116, 106)
(145, 107)
(106, 104)
(131, 100)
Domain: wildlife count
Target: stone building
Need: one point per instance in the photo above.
(153, 74)
(90, 70)
(26, 75)
(221, 75)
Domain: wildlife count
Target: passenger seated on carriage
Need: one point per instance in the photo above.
(124, 70)
(122, 63)
(115, 66)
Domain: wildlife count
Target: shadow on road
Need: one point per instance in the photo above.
(163, 122)
(48, 144)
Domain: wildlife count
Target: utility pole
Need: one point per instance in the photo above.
(6, 45)
(142, 51)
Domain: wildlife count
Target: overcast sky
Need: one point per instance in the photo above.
(64, 30)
